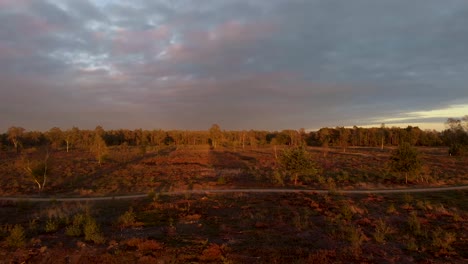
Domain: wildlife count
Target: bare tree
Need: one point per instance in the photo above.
(382, 136)
(215, 135)
(15, 135)
(38, 168)
(71, 137)
(344, 137)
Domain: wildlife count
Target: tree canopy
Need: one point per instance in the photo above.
(405, 159)
(298, 162)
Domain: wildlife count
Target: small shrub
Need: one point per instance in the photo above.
(17, 237)
(32, 226)
(411, 245)
(457, 217)
(346, 212)
(331, 184)
(52, 225)
(221, 180)
(92, 231)
(382, 230)
(128, 219)
(73, 230)
(440, 209)
(391, 209)
(407, 198)
(424, 205)
(151, 195)
(414, 224)
(76, 228)
(278, 178)
(213, 253)
(442, 240)
(144, 245)
(355, 236)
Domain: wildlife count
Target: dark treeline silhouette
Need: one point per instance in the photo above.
(455, 137)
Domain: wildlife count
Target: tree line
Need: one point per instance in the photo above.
(455, 136)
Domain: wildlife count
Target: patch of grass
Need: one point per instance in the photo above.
(391, 209)
(382, 230)
(17, 237)
(51, 225)
(442, 241)
(356, 237)
(76, 229)
(128, 219)
(92, 231)
(414, 224)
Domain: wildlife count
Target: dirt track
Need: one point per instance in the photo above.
(135, 196)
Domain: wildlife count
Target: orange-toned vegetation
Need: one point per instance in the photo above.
(245, 228)
(239, 227)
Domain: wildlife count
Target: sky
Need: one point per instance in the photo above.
(243, 64)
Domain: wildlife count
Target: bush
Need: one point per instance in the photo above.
(405, 160)
(456, 150)
(277, 178)
(442, 240)
(355, 236)
(213, 253)
(414, 224)
(382, 230)
(298, 162)
(17, 237)
(73, 230)
(144, 245)
(76, 228)
(52, 225)
(128, 219)
(92, 231)
(391, 209)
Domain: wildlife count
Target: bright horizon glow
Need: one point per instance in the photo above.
(421, 125)
(454, 111)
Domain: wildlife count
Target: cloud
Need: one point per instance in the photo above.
(264, 64)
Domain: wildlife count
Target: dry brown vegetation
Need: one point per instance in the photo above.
(199, 167)
(239, 227)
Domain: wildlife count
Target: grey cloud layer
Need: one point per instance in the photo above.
(264, 64)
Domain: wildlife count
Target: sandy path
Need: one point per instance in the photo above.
(135, 196)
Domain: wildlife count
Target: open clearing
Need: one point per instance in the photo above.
(198, 205)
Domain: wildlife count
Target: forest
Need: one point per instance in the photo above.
(455, 136)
